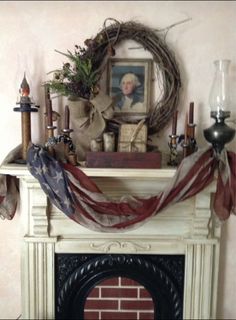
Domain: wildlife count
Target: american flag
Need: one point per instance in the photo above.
(8, 196)
(75, 194)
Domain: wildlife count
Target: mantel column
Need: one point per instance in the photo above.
(38, 292)
(201, 279)
(38, 253)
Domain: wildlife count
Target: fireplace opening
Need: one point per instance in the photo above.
(119, 298)
(119, 286)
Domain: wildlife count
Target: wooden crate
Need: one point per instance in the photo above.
(141, 160)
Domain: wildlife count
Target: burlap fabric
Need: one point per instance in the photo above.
(88, 120)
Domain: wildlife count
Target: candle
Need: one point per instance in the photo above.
(174, 122)
(67, 118)
(191, 108)
(186, 129)
(49, 113)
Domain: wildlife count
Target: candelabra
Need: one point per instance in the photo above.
(220, 133)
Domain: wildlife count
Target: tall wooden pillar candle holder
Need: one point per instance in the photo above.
(25, 109)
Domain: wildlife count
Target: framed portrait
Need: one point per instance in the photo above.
(129, 84)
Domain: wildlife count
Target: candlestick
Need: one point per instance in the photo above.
(67, 118)
(71, 157)
(191, 109)
(49, 113)
(185, 142)
(25, 109)
(50, 127)
(186, 129)
(174, 122)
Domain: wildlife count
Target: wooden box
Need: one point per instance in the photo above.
(138, 160)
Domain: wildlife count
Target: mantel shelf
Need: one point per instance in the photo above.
(20, 170)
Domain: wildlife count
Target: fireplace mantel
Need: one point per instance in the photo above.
(188, 228)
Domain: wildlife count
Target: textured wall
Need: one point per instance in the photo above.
(30, 31)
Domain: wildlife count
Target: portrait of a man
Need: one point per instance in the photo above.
(131, 95)
(128, 85)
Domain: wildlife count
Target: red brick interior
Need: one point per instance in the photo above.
(117, 299)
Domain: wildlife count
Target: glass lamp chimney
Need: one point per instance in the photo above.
(219, 98)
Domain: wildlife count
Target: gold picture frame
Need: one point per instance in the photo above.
(129, 84)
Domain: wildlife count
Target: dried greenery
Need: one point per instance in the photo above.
(77, 78)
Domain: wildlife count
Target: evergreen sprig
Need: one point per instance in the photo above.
(77, 78)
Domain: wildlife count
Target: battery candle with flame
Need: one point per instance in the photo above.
(26, 107)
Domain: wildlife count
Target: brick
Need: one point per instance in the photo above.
(94, 293)
(90, 315)
(129, 282)
(110, 282)
(136, 305)
(146, 316)
(119, 293)
(144, 293)
(119, 316)
(101, 304)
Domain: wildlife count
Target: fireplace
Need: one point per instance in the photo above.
(187, 231)
(119, 286)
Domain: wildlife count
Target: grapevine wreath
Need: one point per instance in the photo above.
(90, 62)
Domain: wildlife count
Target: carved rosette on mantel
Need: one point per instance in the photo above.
(187, 228)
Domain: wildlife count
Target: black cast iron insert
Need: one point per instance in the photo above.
(77, 274)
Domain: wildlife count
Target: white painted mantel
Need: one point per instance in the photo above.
(188, 228)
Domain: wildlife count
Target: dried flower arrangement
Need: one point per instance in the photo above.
(80, 77)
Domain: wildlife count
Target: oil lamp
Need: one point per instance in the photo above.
(220, 103)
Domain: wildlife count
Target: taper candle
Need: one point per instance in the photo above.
(174, 122)
(191, 109)
(186, 129)
(49, 113)
(67, 118)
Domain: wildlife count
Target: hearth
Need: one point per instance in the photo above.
(119, 286)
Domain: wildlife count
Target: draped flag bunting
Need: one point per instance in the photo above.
(8, 196)
(75, 194)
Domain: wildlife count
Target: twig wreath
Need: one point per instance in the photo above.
(109, 36)
(80, 79)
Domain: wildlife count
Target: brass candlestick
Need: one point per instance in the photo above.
(25, 109)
